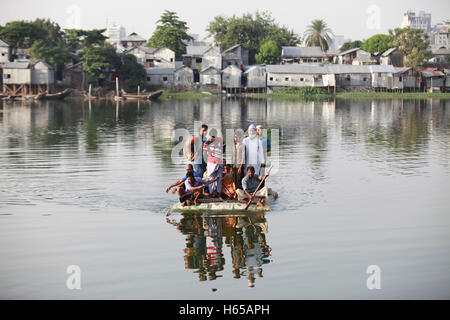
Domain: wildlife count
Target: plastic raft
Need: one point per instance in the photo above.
(229, 206)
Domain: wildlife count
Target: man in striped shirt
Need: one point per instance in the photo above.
(213, 151)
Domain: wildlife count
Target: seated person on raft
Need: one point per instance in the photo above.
(180, 183)
(228, 185)
(249, 184)
(193, 189)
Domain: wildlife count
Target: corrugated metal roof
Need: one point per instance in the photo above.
(310, 68)
(381, 68)
(348, 51)
(231, 49)
(218, 70)
(388, 52)
(428, 73)
(199, 50)
(401, 70)
(133, 37)
(250, 68)
(45, 64)
(180, 67)
(232, 67)
(347, 68)
(143, 48)
(16, 65)
(303, 68)
(160, 70)
(303, 52)
(3, 43)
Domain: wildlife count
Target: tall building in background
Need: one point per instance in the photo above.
(115, 34)
(440, 35)
(421, 21)
(337, 42)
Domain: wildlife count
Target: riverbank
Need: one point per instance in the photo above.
(311, 94)
(170, 94)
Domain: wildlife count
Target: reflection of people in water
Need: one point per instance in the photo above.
(237, 255)
(245, 235)
(214, 256)
(256, 250)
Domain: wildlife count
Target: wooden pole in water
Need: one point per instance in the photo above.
(90, 90)
(117, 86)
(139, 90)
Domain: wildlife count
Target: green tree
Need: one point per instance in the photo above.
(53, 32)
(377, 43)
(79, 38)
(98, 62)
(268, 53)
(251, 31)
(132, 71)
(21, 34)
(170, 33)
(318, 35)
(56, 54)
(97, 56)
(351, 45)
(414, 44)
(51, 47)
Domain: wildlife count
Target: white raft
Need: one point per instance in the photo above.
(227, 206)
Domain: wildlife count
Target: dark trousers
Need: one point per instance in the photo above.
(238, 177)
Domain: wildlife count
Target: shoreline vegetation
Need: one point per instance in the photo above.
(312, 94)
(170, 94)
(287, 94)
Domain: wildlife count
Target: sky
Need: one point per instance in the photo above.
(355, 20)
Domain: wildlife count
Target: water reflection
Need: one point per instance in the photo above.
(68, 151)
(206, 235)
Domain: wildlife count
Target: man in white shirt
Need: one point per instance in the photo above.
(254, 151)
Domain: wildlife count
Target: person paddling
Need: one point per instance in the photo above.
(249, 184)
(189, 168)
(193, 189)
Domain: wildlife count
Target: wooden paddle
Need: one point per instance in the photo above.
(257, 188)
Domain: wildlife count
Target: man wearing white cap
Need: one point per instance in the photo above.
(254, 151)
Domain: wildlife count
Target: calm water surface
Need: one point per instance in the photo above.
(360, 182)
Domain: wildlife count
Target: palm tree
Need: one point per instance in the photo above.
(318, 34)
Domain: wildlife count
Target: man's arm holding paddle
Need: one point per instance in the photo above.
(204, 185)
(257, 188)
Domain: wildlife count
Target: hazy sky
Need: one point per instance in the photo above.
(353, 19)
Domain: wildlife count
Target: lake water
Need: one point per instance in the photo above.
(360, 183)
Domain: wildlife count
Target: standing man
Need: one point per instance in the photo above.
(199, 160)
(264, 140)
(238, 158)
(254, 152)
(213, 152)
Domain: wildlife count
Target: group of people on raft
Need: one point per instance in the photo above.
(207, 174)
